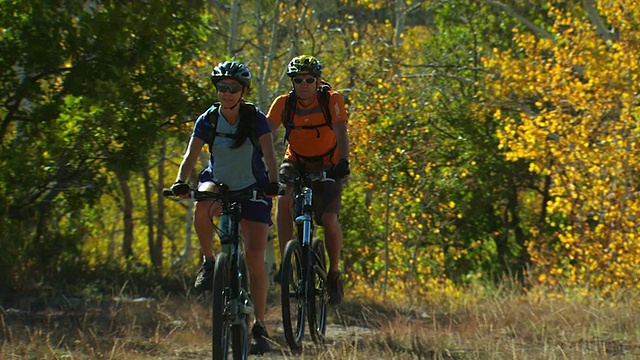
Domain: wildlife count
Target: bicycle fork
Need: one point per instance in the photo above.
(240, 304)
(304, 221)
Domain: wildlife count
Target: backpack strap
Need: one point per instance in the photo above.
(323, 98)
(288, 114)
(317, 158)
(248, 111)
(290, 111)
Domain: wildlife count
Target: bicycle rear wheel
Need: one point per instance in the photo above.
(292, 295)
(220, 319)
(317, 305)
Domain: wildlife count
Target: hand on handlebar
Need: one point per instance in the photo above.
(180, 188)
(341, 169)
(272, 189)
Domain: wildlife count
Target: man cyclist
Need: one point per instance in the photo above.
(314, 144)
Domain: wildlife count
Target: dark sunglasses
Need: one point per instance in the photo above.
(232, 88)
(307, 80)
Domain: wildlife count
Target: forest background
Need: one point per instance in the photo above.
(490, 140)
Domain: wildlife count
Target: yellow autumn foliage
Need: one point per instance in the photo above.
(569, 107)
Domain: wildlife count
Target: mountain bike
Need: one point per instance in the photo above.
(303, 275)
(232, 306)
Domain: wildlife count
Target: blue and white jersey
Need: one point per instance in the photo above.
(239, 167)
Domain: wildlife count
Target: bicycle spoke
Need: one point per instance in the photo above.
(240, 340)
(220, 318)
(318, 293)
(293, 307)
(240, 329)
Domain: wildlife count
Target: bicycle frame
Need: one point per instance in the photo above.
(232, 304)
(230, 244)
(306, 231)
(303, 195)
(303, 272)
(304, 220)
(232, 301)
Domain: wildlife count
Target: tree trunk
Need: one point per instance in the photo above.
(513, 207)
(233, 47)
(401, 17)
(156, 260)
(188, 247)
(127, 214)
(160, 187)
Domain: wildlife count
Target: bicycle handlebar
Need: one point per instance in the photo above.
(194, 194)
(224, 196)
(303, 177)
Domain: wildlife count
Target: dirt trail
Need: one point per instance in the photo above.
(340, 333)
(173, 328)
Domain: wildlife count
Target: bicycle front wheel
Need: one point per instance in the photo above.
(292, 295)
(220, 319)
(240, 340)
(240, 329)
(318, 295)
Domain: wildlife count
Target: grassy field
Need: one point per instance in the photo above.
(474, 324)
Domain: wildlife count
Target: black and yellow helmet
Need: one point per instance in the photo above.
(304, 64)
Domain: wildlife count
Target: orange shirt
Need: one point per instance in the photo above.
(315, 141)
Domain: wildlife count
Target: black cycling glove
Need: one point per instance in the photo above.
(341, 169)
(180, 188)
(272, 189)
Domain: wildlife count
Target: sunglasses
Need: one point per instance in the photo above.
(307, 80)
(232, 88)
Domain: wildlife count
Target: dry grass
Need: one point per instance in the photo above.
(479, 324)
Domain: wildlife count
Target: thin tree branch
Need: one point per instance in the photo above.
(596, 20)
(533, 27)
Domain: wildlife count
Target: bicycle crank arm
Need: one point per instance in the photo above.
(320, 271)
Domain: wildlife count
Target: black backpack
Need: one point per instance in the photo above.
(290, 110)
(247, 111)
